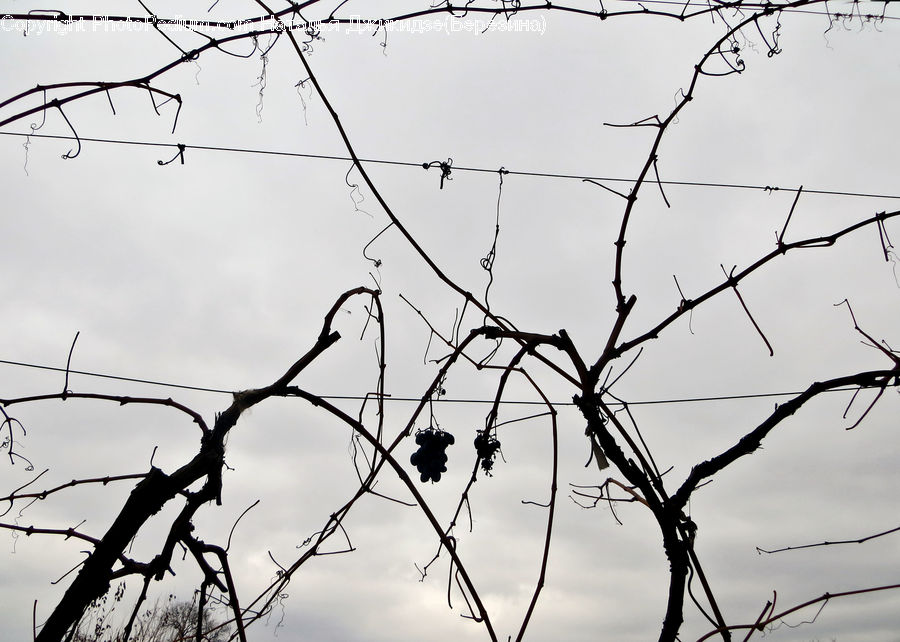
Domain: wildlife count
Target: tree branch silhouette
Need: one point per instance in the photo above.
(613, 441)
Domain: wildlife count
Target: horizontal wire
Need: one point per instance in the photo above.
(101, 375)
(649, 402)
(460, 168)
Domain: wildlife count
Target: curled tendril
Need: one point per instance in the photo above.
(9, 440)
(376, 262)
(446, 168)
(261, 80)
(773, 49)
(179, 155)
(356, 194)
(68, 154)
(312, 33)
(892, 257)
(300, 86)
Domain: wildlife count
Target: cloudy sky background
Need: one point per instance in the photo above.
(217, 273)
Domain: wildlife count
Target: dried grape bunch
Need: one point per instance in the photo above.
(431, 459)
(486, 445)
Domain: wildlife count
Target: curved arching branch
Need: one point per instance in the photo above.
(750, 442)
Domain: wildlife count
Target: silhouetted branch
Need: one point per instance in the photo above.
(761, 624)
(752, 440)
(737, 293)
(68, 365)
(861, 540)
(812, 242)
(75, 482)
(790, 214)
(121, 400)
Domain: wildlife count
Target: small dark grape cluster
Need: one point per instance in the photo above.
(486, 445)
(431, 458)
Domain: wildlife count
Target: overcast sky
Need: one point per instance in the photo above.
(217, 272)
